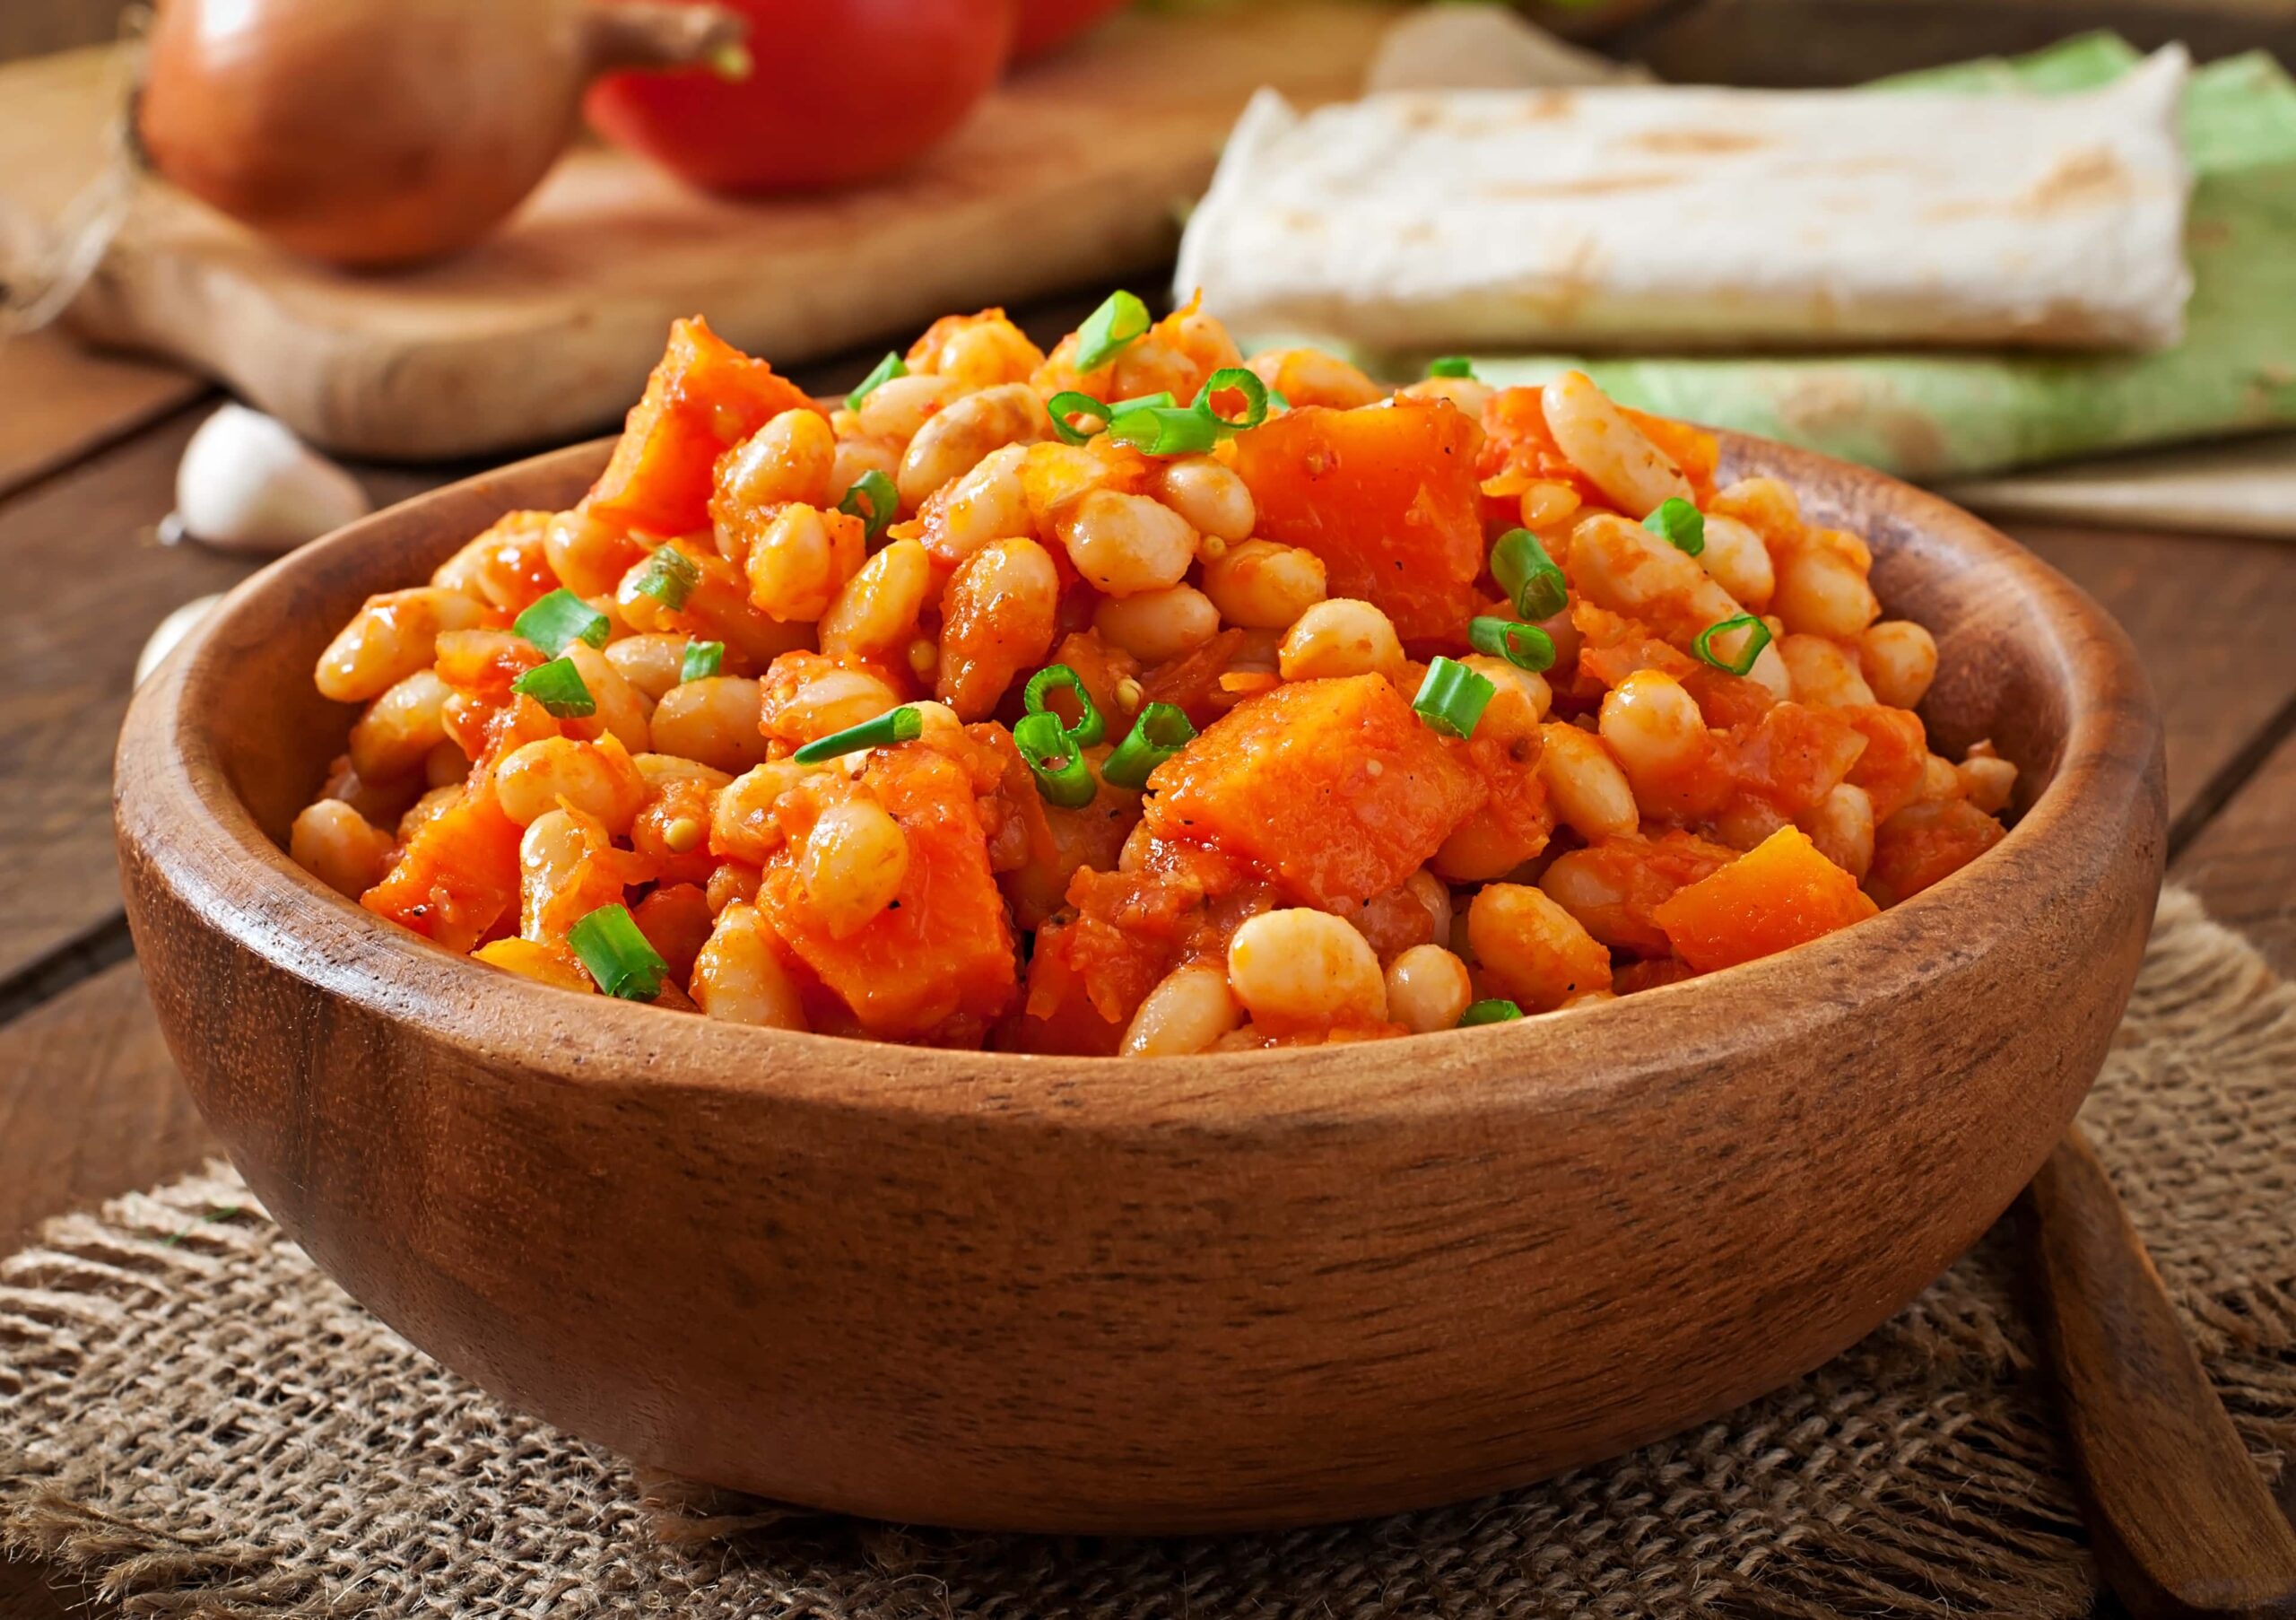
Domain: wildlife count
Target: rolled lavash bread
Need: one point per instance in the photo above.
(1682, 217)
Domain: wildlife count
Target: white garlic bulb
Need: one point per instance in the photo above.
(248, 484)
(172, 629)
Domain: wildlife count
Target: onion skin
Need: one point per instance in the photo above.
(377, 132)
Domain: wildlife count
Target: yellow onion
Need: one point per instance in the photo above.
(385, 132)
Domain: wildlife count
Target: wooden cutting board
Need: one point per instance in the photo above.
(1075, 172)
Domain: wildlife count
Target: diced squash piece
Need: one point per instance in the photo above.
(1335, 789)
(1387, 496)
(1924, 843)
(705, 397)
(1781, 893)
(459, 877)
(1615, 885)
(1795, 755)
(553, 965)
(938, 961)
(1896, 755)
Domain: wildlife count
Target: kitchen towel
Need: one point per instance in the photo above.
(194, 1418)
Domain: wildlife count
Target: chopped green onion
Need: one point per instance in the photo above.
(1494, 1011)
(1452, 698)
(901, 725)
(620, 959)
(1089, 727)
(1146, 402)
(1161, 731)
(1061, 406)
(702, 659)
(1679, 523)
(883, 372)
(1528, 576)
(1757, 637)
(1120, 321)
(1056, 760)
(1451, 365)
(1168, 430)
(558, 618)
(558, 686)
(1235, 379)
(670, 577)
(873, 499)
(1276, 402)
(1525, 646)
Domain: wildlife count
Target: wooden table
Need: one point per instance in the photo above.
(90, 1103)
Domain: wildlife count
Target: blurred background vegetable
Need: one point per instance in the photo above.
(841, 92)
(383, 132)
(1047, 24)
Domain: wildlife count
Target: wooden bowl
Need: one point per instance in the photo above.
(1192, 1293)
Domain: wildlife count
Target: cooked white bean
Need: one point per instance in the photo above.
(653, 662)
(853, 864)
(1532, 950)
(1591, 794)
(1298, 967)
(1899, 660)
(802, 557)
(1654, 729)
(875, 612)
(828, 699)
(738, 976)
(1841, 825)
(1431, 892)
(1737, 561)
(1986, 780)
(1428, 989)
(1519, 699)
(400, 728)
(1157, 626)
(984, 351)
(960, 435)
(1209, 494)
(714, 720)
(1340, 636)
(897, 408)
(394, 635)
(1625, 568)
(742, 822)
(1189, 1009)
(1124, 545)
(1260, 585)
(598, 778)
(789, 458)
(336, 845)
(1822, 593)
(1822, 672)
(858, 457)
(999, 613)
(1604, 443)
(621, 708)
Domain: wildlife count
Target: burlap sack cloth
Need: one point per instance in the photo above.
(196, 1417)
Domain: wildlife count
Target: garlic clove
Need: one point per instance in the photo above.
(172, 629)
(248, 484)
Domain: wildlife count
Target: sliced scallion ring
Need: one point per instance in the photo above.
(873, 499)
(559, 617)
(1066, 406)
(1145, 402)
(1166, 429)
(1494, 1011)
(702, 660)
(901, 725)
(558, 687)
(1453, 697)
(622, 961)
(1757, 637)
(1161, 731)
(1679, 523)
(1056, 760)
(1525, 646)
(883, 372)
(1120, 321)
(1451, 365)
(1089, 726)
(669, 578)
(1235, 379)
(1531, 579)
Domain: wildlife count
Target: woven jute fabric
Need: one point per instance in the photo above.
(195, 1418)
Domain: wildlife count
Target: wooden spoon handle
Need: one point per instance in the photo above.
(2183, 1525)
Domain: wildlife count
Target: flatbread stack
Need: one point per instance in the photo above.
(1674, 216)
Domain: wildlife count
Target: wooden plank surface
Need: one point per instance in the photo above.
(85, 400)
(2243, 862)
(1072, 170)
